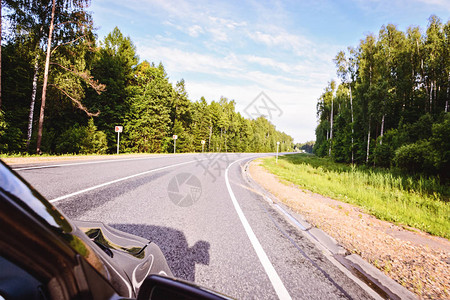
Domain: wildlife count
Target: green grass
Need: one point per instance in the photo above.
(417, 202)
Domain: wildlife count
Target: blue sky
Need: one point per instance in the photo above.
(238, 49)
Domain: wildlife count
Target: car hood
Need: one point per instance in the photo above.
(128, 258)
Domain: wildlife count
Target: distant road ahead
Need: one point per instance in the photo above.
(211, 224)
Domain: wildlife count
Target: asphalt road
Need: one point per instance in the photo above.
(210, 223)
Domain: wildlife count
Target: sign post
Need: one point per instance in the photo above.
(175, 143)
(203, 145)
(276, 160)
(118, 129)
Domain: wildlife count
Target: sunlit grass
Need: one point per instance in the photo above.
(416, 202)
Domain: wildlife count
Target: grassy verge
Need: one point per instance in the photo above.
(415, 202)
(14, 155)
(34, 158)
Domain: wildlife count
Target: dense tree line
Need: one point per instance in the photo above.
(51, 54)
(391, 107)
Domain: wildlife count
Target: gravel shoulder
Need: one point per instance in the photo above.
(418, 261)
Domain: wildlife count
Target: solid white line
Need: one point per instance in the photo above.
(86, 163)
(277, 284)
(119, 180)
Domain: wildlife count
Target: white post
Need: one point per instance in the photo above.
(174, 145)
(118, 138)
(276, 160)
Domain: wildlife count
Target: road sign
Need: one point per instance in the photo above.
(118, 129)
(203, 142)
(175, 143)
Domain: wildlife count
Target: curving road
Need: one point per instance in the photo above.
(213, 226)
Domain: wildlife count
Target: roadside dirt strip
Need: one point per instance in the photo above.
(417, 262)
(69, 158)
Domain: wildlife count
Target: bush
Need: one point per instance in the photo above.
(417, 157)
(95, 141)
(441, 142)
(71, 140)
(383, 155)
(81, 139)
(11, 138)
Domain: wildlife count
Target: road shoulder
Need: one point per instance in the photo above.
(415, 260)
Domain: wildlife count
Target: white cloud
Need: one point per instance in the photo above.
(290, 68)
(195, 30)
(227, 22)
(297, 118)
(185, 61)
(218, 34)
(444, 4)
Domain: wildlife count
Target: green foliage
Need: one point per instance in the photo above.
(148, 123)
(113, 66)
(417, 157)
(321, 146)
(82, 139)
(138, 96)
(441, 143)
(418, 202)
(94, 141)
(71, 140)
(389, 108)
(11, 138)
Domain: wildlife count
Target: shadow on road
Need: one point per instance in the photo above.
(92, 200)
(173, 244)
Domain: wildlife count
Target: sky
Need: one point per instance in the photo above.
(273, 58)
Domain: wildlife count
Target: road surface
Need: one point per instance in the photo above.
(214, 228)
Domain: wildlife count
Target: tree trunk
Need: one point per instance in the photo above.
(448, 89)
(431, 97)
(424, 83)
(368, 144)
(382, 130)
(331, 128)
(0, 55)
(33, 100)
(44, 87)
(436, 90)
(351, 109)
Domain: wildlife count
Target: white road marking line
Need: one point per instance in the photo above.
(119, 180)
(86, 163)
(277, 284)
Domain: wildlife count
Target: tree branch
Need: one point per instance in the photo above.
(77, 102)
(70, 42)
(98, 87)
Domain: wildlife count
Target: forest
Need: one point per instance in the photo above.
(390, 106)
(63, 91)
